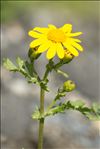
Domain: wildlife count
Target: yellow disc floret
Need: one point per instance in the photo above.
(56, 35)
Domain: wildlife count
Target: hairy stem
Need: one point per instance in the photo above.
(35, 73)
(41, 121)
(51, 105)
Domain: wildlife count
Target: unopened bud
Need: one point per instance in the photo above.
(33, 53)
(69, 86)
(68, 56)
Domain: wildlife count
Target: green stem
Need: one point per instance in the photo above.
(35, 73)
(51, 105)
(41, 121)
(53, 102)
(58, 65)
(46, 74)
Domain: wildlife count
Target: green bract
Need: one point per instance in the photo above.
(33, 54)
(67, 57)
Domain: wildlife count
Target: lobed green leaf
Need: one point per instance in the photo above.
(77, 105)
(23, 67)
(9, 65)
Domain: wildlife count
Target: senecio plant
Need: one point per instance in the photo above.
(63, 43)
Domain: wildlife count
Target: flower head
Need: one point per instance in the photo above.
(55, 40)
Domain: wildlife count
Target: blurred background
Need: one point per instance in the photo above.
(19, 99)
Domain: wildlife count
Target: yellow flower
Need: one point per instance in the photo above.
(55, 40)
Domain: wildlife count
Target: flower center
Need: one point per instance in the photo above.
(56, 35)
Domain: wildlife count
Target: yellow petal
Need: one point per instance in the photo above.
(60, 50)
(41, 30)
(51, 52)
(44, 47)
(68, 41)
(36, 42)
(71, 49)
(74, 34)
(76, 45)
(66, 28)
(76, 40)
(51, 26)
(34, 34)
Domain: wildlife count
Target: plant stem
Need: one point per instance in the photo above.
(51, 105)
(46, 74)
(41, 121)
(58, 65)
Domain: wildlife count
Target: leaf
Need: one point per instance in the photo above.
(33, 80)
(29, 67)
(62, 94)
(24, 68)
(43, 85)
(9, 65)
(96, 107)
(92, 116)
(36, 115)
(62, 73)
(77, 103)
(69, 105)
(20, 62)
(21, 66)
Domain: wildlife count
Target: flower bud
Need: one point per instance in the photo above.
(33, 53)
(68, 86)
(68, 56)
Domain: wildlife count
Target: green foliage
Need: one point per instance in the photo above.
(29, 68)
(62, 73)
(20, 63)
(77, 105)
(43, 84)
(9, 65)
(22, 67)
(28, 71)
(68, 86)
(95, 112)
